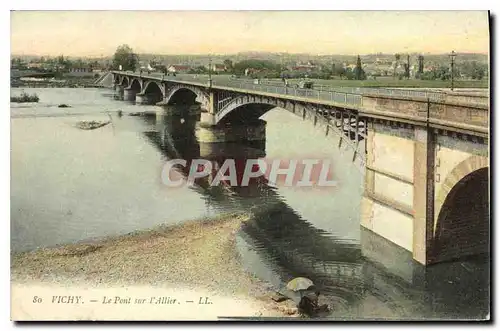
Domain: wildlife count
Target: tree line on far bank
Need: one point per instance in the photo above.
(129, 60)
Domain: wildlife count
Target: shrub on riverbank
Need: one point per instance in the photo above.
(25, 97)
(91, 125)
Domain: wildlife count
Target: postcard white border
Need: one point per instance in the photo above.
(186, 5)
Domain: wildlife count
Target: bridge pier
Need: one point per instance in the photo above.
(423, 196)
(179, 110)
(214, 150)
(119, 90)
(398, 197)
(129, 94)
(231, 133)
(141, 99)
(147, 99)
(166, 109)
(394, 259)
(194, 110)
(207, 114)
(207, 119)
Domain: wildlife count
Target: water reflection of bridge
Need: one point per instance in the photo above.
(298, 248)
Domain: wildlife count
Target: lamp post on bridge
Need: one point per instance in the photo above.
(452, 57)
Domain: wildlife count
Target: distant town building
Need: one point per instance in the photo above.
(303, 67)
(80, 70)
(36, 65)
(177, 68)
(217, 67)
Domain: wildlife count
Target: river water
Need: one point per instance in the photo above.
(70, 185)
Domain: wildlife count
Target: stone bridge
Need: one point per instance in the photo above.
(425, 157)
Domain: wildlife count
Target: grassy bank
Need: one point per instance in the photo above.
(66, 82)
(194, 255)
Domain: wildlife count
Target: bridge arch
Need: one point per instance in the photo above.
(461, 227)
(153, 87)
(153, 91)
(235, 110)
(124, 81)
(187, 95)
(243, 113)
(135, 84)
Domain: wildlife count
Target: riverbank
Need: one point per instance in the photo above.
(197, 256)
(72, 82)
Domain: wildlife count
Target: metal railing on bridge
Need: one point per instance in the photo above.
(344, 95)
(438, 96)
(334, 96)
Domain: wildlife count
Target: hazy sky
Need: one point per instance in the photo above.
(95, 33)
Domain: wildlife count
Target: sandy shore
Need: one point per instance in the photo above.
(195, 257)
